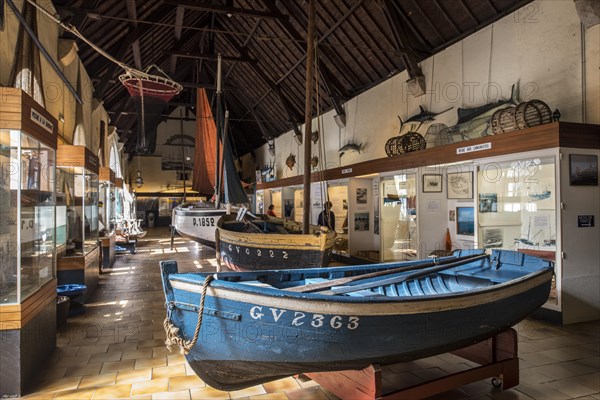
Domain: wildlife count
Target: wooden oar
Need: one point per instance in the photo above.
(399, 279)
(313, 287)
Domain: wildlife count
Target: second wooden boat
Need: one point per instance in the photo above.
(271, 243)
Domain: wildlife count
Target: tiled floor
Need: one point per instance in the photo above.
(116, 349)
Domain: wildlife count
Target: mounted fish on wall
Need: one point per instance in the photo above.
(314, 162)
(315, 136)
(421, 117)
(349, 147)
(475, 122)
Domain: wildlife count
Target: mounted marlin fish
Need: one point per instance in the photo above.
(472, 119)
(421, 117)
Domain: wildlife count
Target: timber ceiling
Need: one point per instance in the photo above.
(263, 45)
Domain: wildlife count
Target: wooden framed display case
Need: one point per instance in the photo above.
(77, 182)
(107, 207)
(27, 238)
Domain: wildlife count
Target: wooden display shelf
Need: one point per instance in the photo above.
(82, 270)
(106, 175)
(108, 250)
(498, 358)
(19, 111)
(556, 134)
(15, 316)
(77, 156)
(69, 263)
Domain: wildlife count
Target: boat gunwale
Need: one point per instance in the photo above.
(298, 301)
(183, 212)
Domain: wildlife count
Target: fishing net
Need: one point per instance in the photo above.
(150, 92)
(150, 95)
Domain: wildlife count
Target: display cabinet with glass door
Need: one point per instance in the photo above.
(516, 206)
(106, 207)
(27, 238)
(77, 177)
(399, 218)
(118, 204)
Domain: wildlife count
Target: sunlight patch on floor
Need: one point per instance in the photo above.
(122, 269)
(109, 303)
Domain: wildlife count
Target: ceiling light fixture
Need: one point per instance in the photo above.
(139, 181)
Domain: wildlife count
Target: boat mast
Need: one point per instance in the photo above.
(218, 123)
(308, 113)
(182, 154)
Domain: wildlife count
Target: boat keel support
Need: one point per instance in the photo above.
(497, 358)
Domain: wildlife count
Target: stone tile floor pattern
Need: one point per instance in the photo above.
(116, 349)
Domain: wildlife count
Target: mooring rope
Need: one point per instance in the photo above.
(172, 332)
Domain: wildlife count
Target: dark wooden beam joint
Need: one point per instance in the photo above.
(208, 56)
(229, 11)
(416, 82)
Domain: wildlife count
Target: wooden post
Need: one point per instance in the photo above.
(308, 113)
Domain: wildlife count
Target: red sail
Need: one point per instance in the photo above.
(206, 147)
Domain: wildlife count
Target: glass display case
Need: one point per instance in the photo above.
(77, 181)
(27, 239)
(107, 200)
(27, 202)
(516, 206)
(80, 211)
(118, 204)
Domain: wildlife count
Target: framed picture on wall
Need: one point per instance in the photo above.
(465, 221)
(460, 185)
(432, 183)
(361, 195)
(583, 170)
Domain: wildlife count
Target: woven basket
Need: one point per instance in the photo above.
(504, 121)
(532, 113)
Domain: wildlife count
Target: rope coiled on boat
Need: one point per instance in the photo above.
(173, 338)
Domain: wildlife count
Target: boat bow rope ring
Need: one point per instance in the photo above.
(172, 332)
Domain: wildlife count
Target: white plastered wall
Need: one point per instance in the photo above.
(539, 46)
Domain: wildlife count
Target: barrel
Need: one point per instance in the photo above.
(504, 121)
(532, 113)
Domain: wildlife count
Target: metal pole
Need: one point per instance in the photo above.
(218, 123)
(182, 155)
(43, 50)
(308, 113)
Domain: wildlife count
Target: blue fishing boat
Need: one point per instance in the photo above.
(239, 329)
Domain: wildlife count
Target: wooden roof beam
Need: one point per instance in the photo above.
(208, 56)
(244, 12)
(401, 40)
(137, 54)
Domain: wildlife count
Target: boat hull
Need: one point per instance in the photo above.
(198, 224)
(242, 251)
(303, 350)
(256, 335)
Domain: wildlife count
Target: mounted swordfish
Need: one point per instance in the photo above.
(421, 117)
